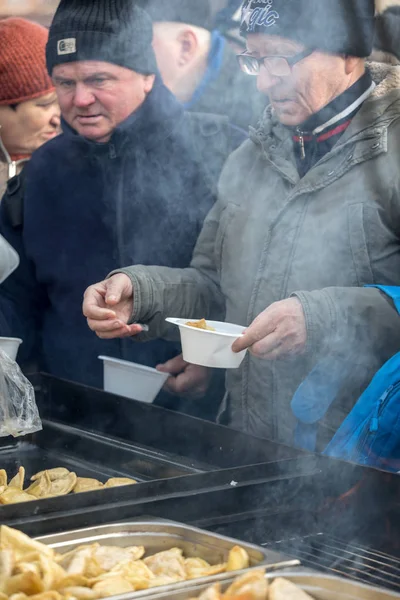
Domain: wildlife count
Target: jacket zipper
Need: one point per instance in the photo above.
(112, 152)
(300, 135)
(372, 426)
(383, 401)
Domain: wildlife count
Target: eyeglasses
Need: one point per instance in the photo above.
(278, 66)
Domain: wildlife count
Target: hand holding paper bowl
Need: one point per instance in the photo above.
(210, 347)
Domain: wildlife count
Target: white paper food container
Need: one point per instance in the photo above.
(10, 346)
(132, 380)
(210, 348)
(9, 259)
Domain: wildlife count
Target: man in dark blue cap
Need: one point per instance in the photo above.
(130, 180)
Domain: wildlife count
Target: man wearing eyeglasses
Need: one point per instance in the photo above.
(308, 214)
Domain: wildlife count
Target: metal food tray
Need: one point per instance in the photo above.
(90, 454)
(157, 535)
(317, 585)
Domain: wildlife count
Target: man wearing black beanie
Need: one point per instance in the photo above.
(198, 64)
(130, 180)
(306, 223)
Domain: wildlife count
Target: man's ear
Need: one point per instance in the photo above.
(149, 83)
(188, 45)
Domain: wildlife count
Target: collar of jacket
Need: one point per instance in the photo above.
(380, 108)
(154, 121)
(13, 166)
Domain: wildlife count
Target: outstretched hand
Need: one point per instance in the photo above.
(108, 307)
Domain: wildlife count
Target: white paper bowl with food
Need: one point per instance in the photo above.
(210, 347)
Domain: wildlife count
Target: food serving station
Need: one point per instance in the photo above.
(335, 519)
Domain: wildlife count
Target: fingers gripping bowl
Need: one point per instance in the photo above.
(211, 347)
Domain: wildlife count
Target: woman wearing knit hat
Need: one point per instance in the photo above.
(29, 112)
(306, 222)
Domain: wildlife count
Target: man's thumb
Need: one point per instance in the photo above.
(114, 289)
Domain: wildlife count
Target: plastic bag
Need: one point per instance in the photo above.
(19, 414)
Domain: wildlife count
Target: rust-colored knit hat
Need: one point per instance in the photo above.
(23, 73)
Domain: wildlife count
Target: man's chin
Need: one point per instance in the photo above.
(288, 115)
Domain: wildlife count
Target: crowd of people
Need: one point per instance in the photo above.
(186, 187)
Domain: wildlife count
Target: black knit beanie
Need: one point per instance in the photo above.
(336, 26)
(193, 12)
(115, 31)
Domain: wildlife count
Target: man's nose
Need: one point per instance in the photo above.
(83, 96)
(266, 81)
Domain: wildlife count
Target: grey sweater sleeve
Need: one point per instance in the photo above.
(191, 293)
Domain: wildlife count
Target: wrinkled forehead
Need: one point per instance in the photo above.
(260, 44)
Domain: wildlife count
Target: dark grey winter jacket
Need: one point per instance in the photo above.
(322, 238)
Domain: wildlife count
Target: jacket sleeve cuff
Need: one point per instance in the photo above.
(321, 319)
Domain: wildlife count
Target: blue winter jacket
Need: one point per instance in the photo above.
(89, 208)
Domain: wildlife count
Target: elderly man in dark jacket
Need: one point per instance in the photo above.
(130, 180)
(198, 64)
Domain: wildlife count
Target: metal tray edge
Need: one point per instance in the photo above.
(309, 580)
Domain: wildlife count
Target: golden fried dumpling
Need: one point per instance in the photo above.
(21, 544)
(112, 587)
(134, 571)
(109, 556)
(28, 583)
(56, 473)
(72, 581)
(117, 481)
(18, 480)
(86, 484)
(26, 566)
(283, 589)
(63, 485)
(79, 592)
(49, 595)
(169, 563)
(12, 495)
(202, 324)
(197, 567)
(237, 559)
(51, 572)
(41, 487)
(252, 585)
(3, 478)
(7, 561)
(75, 561)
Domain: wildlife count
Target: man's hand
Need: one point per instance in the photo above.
(108, 307)
(187, 380)
(278, 331)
